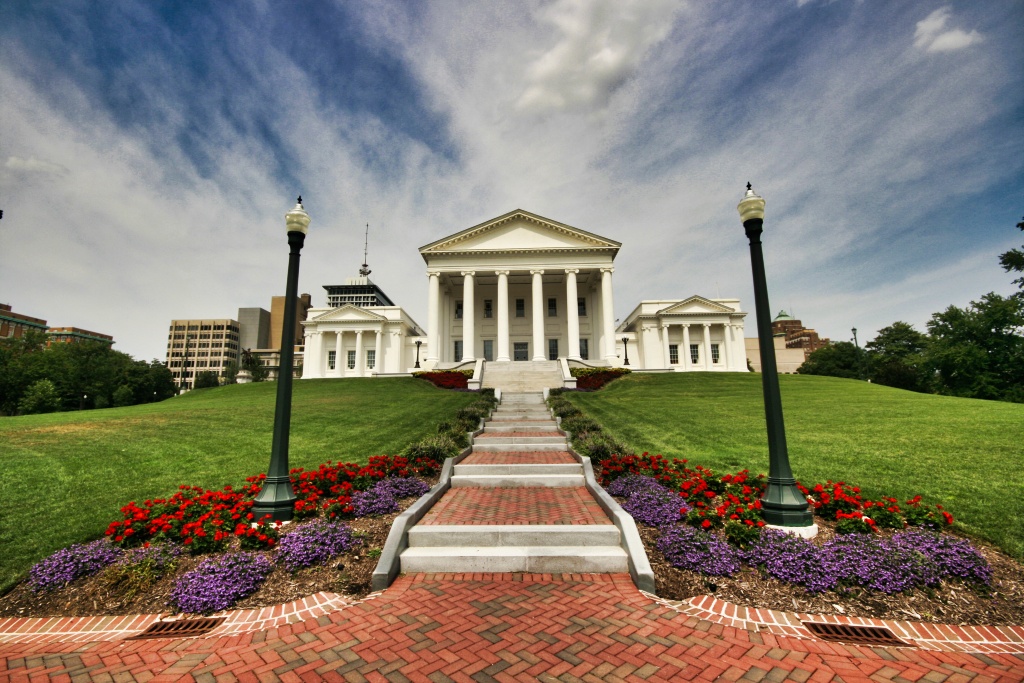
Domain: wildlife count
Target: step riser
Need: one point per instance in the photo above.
(527, 559)
(514, 427)
(512, 536)
(516, 470)
(521, 440)
(512, 481)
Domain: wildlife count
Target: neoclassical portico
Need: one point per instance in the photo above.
(520, 287)
(353, 341)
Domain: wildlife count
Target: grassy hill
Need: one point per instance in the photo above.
(963, 453)
(66, 475)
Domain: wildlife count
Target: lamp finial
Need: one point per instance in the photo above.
(300, 196)
(749, 188)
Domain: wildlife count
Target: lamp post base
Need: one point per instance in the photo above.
(784, 505)
(277, 499)
(801, 531)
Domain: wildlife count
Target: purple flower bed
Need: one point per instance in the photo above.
(625, 486)
(220, 582)
(788, 558)
(315, 543)
(955, 558)
(402, 487)
(875, 563)
(374, 502)
(698, 551)
(67, 564)
(655, 506)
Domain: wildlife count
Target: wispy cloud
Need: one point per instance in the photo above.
(932, 34)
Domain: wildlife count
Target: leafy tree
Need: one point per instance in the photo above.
(1013, 261)
(17, 368)
(840, 359)
(230, 372)
(896, 357)
(978, 351)
(123, 396)
(40, 397)
(206, 380)
(252, 363)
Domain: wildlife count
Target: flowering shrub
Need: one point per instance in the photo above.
(629, 484)
(314, 543)
(590, 379)
(655, 506)
(374, 502)
(219, 582)
(447, 379)
(885, 513)
(259, 535)
(930, 518)
(656, 466)
(855, 522)
(831, 497)
(955, 558)
(403, 487)
(698, 551)
(139, 568)
(68, 564)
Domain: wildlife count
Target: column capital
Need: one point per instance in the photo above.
(502, 272)
(536, 272)
(572, 271)
(665, 326)
(433, 273)
(686, 325)
(706, 324)
(607, 269)
(468, 273)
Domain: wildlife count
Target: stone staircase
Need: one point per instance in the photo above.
(522, 376)
(517, 503)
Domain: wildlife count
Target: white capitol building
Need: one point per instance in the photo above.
(519, 288)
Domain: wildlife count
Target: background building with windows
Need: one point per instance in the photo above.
(15, 325)
(75, 335)
(796, 335)
(201, 345)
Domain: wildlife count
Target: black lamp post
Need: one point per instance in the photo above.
(782, 503)
(417, 353)
(625, 349)
(277, 497)
(860, 365)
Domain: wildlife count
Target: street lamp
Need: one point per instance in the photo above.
(277, 498)
(860, 366)
(782, 503)
(418, 342)
(625, 349)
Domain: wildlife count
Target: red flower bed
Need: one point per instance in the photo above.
(590, 379)
(447, 379)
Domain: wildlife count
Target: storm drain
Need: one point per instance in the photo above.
(182, 628)
(855, 635)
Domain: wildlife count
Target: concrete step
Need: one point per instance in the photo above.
(511, 481)
(532, 468)
(498, 437)
(535, 559)
(511, 426)
(488, 447)
(535, 417)
(504, 535)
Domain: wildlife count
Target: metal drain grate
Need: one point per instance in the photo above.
(855, 635)
(182, 628)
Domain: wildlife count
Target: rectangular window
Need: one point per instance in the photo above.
(520, 308)
(714, 353)
(581, 307)
(552, 308)
(673, 354)
(458, 350)
(351, 360)
(694, 353)
(488, 349)
(584, 349)
(488, 308)
(552, 348)
(458, 310)
(371, 358)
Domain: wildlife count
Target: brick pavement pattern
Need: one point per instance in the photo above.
(539, 505)
(500, 627)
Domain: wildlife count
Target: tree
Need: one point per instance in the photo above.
(230, 372)
(978, 351)
(123, 396)
(206, 380)
(18, 368)
(41, 397)
(841, 359)
(896, 357)
(1013, 261)
(251, 362)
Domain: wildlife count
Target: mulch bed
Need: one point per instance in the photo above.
(350, 574)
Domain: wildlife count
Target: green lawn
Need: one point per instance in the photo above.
(964, 453)
(66, 475)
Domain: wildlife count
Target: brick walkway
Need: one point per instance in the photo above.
(502, 627)
(520, 458)
(563, 505)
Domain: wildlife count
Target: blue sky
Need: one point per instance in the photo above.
(149, 150)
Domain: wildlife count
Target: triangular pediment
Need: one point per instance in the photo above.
(695, 305)
(348, 313)
(520, 231)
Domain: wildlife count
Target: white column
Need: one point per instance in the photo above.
(339, 368)
(538, 315)
(503, 342)
(728, 345)
(707, 346)
(664, 344)
(468, 317)
(686, 348)
(433, 324)
(739, 349)
(571, 295)
(311, 362)
(378, 348)
(360, 361)
(608, 316)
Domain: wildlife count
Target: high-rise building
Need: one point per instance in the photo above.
(358, 291)
(195, 346)
(302, 305)
(17, 324)
(254, 328)
(797, 336)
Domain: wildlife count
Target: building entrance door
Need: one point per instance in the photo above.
(522, 351)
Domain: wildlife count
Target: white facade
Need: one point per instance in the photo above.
(693, 334)
(351, 341)
(520, 287)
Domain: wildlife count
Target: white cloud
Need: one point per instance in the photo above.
(932, 35)
(33, 165)
(599, 46)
